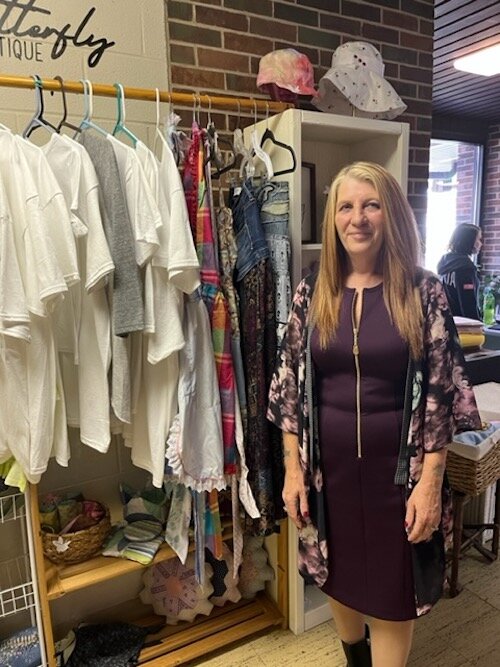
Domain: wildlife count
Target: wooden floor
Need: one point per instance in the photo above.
(459, 632)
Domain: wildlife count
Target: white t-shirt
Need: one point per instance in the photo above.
(41, 274)
(157, 399)
(143, 210)
(29, 370)
(14, 315)
(176, 256)
(55, 212)
(86, 384)
(30, 400)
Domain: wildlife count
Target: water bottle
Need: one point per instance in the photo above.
(489, 308)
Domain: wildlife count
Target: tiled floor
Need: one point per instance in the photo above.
(459, 632)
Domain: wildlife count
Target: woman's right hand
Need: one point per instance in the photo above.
(295, 497)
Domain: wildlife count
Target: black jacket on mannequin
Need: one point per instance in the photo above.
(458, 273)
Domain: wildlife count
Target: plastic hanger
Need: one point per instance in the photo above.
(120, 122)
(64, 122)
(269, 135)
(38, 120)
(257, 149)
(158, 132)
(88, 101)
(215, 156)
(224, 166)
(247, 166)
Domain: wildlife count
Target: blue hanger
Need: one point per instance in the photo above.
(87, 121)
(120, 117)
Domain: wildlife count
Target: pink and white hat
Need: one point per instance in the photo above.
(288, 69)
(356, 79)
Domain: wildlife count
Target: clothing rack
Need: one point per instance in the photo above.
(149, 94)
(233, 622)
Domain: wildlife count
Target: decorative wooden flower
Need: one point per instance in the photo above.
(172, 589)
(254, 571)
(224, 583)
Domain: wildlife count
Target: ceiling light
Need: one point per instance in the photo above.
(485, 62)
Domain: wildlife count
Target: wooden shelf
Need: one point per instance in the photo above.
(64, 579)
(179, 644)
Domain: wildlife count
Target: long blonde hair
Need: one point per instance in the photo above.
(398, 259)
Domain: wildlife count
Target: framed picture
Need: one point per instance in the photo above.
(308, 213)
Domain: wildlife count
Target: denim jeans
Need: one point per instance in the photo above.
(274, 205)
(250, 238)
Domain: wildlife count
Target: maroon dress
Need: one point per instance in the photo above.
(369, 556)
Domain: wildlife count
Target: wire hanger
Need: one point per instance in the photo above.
(269, 135)
(88, 101)
(120, 117)
(64, 122)
(38, 120)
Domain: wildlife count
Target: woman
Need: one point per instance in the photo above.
(369, 379)
(458, 272)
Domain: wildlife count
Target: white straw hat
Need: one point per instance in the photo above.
(356, 79)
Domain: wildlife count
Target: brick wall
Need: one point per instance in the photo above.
(490, 216)
(466, 167)
(215, 47)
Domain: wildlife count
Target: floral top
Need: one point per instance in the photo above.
(438, 401)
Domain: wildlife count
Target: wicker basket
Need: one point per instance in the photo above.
(78, 546)
(473, 477)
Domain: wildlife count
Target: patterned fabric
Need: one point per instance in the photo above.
(175, 592)
(119, 545)
(21, 649)
(198, 202)
(228, 252)
(179, 517)
(262, 440)
(442, 401)
(273, 200)
(213, 526)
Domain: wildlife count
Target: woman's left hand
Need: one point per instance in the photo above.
(423, 512)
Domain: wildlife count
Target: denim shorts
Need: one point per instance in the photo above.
(250, 237)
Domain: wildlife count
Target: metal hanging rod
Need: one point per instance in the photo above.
(149, 94)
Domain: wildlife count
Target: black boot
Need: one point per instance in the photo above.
(358, 654)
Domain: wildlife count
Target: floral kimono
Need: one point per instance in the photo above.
(438, 402)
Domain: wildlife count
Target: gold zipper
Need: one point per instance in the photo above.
(355, 351)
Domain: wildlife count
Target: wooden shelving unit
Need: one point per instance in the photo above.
(172, 645)
(176, 645)
(64, 579)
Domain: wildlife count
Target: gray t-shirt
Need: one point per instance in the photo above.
(128, 307)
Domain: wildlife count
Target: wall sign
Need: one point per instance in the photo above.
(20, 19)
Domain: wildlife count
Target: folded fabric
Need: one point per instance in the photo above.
(474, 445)
(64, 648)
(21, 649)
(119, 546)
(467, 323)
(471, 339)
(147, 503)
